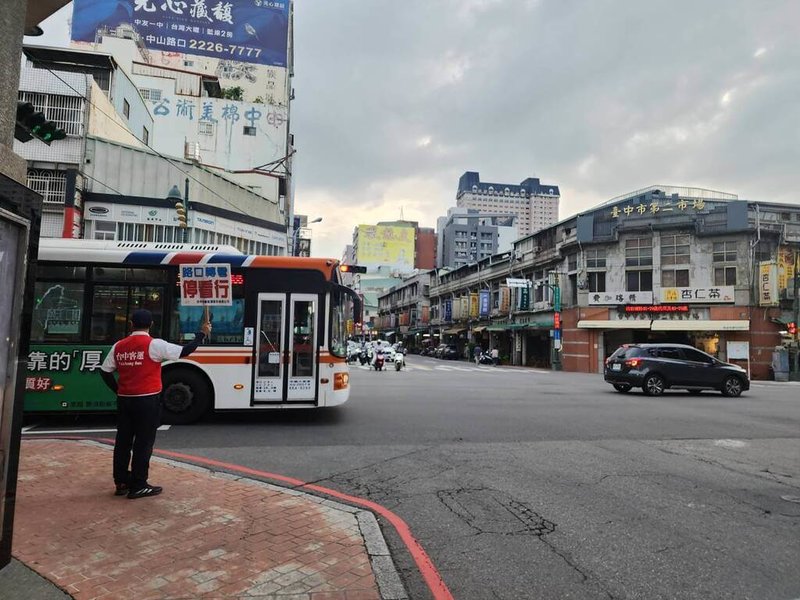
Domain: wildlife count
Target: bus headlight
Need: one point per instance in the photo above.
(340, 381)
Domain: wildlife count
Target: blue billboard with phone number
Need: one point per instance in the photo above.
(253, 31)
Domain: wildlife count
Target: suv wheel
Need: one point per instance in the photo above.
(623, 388)
(732, 387)
(654, 385)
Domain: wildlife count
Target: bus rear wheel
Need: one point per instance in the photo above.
(186, 397)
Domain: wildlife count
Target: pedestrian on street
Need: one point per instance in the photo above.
(477, 354)
(137, 360)
(495, 357)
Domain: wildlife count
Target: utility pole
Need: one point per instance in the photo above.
(795, 368)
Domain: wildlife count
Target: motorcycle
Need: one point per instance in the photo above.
(379, 362)
(485, 359)
(399, 361)
(363, 357)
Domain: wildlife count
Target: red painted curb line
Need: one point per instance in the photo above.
(429, 572)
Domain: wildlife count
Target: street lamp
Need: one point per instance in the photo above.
(296, 233)
(181, 206)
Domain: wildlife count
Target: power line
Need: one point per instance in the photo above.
(156, 152)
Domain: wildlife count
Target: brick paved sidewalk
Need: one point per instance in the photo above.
(207, 536)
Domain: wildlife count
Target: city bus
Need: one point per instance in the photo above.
(281, 343)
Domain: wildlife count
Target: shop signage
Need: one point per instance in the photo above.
(786, 267)
(768, 283)
(473, 306)
(656, 308)
(448, 310)
(464, 307)
(484, 303)
(505, 299)
(619, 297)
(557, 320)
(656, 207)
(524, 298)
(517, 283)
(712, 295)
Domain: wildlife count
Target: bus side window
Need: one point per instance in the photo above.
(57, 312)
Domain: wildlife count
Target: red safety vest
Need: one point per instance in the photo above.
(139, 375)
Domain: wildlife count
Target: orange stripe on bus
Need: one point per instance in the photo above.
(323, 265)
(219, 360)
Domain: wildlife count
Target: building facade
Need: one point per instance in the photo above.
(533, 203)
(661, 264)
(464, 237)
(404, 311)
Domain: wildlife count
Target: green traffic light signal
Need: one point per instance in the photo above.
(32, 123)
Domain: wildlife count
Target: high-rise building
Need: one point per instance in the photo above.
(467, 235)
(535, 204)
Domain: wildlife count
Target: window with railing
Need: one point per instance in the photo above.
(49, 183)
(64, 111)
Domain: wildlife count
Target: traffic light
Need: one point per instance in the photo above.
(34, 124)
(180, 209)
(352, 269)
(792, 328)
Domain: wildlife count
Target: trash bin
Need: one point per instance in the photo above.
(780, 364)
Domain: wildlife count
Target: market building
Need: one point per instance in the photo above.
(660, 264)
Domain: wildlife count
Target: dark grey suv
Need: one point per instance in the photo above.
(656, 367)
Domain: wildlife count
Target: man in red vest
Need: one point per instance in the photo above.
(137, 360)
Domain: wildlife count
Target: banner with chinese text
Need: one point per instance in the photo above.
(484, 303)
(252, 31)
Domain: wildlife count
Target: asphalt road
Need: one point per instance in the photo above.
(531, 484)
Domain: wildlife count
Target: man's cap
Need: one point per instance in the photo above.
(141, 318)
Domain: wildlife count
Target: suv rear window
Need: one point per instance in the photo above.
(624, 352)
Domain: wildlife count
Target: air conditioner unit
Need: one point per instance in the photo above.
(191, 151)
(786, 294)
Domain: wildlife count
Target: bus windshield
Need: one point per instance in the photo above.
(345, 310)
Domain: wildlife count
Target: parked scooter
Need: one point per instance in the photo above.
(485, 358)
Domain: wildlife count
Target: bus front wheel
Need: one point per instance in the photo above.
(186, 397)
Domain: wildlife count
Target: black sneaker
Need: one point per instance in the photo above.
(122, 489)
(148, 490)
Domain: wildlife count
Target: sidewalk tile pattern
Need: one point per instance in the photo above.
(204, 537)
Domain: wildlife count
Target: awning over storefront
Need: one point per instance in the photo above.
(539, 325)
(478, 329)
(668, 325)
(497, 328)
(613, 324)
(517, 326)
(454, 331)
(699, 325)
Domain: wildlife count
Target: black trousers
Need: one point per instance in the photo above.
(138, 418)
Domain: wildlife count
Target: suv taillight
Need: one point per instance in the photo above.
(633, 362)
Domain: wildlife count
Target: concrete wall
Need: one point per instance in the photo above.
(12, 23)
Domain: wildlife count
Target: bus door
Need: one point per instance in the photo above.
(285, 365)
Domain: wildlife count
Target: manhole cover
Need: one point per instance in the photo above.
(493, 511)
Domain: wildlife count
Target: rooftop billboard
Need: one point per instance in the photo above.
(385, 245)
(250, 31)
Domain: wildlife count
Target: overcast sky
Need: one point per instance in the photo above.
(396, 99)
